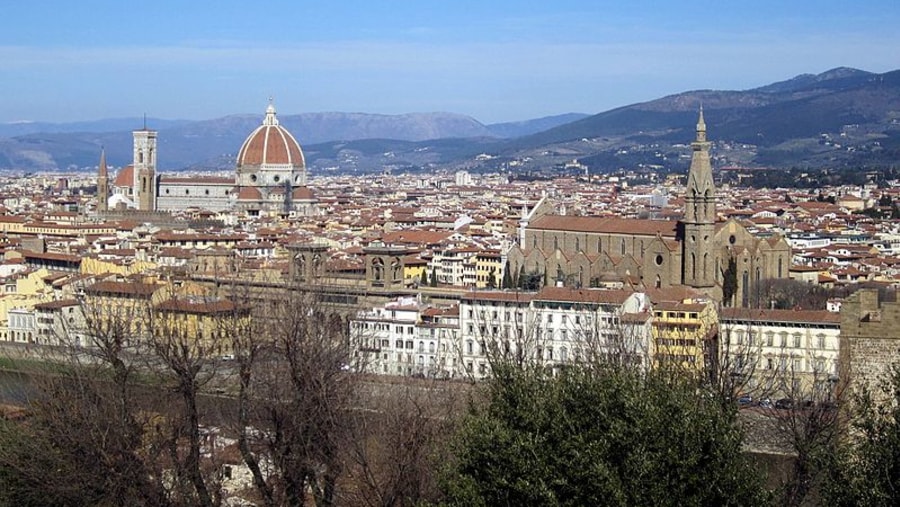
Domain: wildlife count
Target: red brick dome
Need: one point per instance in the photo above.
(270, 145)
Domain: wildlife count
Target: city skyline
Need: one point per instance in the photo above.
(498, 62)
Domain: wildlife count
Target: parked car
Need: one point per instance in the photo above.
(784, 404)
(745, 400)
(765, 403)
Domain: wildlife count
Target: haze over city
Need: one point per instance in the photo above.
(496, 61)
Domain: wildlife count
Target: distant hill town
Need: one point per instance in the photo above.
(840, 118)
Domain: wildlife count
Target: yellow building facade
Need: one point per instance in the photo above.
(683, 334)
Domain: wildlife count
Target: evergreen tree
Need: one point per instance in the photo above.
(599, 437)
(507, 282)
(729, 282)
(866, 468)
(434, 280)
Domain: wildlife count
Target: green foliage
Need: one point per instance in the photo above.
(599, 437)
(531, 281)
(866, 471)
(434, 281)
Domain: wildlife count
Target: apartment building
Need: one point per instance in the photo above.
(782, 352)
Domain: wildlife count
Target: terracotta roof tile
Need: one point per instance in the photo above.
(606, 225)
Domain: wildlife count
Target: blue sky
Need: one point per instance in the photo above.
(493, 60)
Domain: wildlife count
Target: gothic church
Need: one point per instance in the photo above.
(696, 251)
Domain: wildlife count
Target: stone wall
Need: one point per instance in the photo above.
(870, 338)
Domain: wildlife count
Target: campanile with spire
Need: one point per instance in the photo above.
(102, 184)
(699, 215)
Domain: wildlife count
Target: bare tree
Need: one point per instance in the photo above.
(88, 414)
(806, 421)
(293, 396)
(790, 393)
(399, 431)
(181, 335)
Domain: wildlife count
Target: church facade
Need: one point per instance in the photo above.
(718, 258)
(270, 177)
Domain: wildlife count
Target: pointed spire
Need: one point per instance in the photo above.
(102, 171)
(102, 183)
(701, 126)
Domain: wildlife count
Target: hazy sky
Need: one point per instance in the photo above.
(494, 60)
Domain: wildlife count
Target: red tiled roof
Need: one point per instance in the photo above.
(125, 177)
(123, 288)
(249, 194)
(510, 296)
(54, 305)
(796, 316)
(270, 144)
(196, 306)
(583, 295)
(303, 193)
(416, 237)
(606, 225)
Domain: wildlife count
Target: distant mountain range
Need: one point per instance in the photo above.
(840, 117)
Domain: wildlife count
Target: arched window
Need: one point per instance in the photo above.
(377, 269)
(745, 289)
(577, 244)
(623, 246)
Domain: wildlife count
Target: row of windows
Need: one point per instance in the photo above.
(676, 315)
(187, 191)
(622, 244)
(771, 339)
(377, 326)
(678, 342)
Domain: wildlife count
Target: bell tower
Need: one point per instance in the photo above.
(145, 169)
(102, 184)
(699, 215)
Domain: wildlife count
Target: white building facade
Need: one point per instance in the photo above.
(782, 352)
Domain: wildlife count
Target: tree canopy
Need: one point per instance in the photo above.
(600, 437)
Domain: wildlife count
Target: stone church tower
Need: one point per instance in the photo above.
(145, 169)
(102, 184)
(699, 216)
